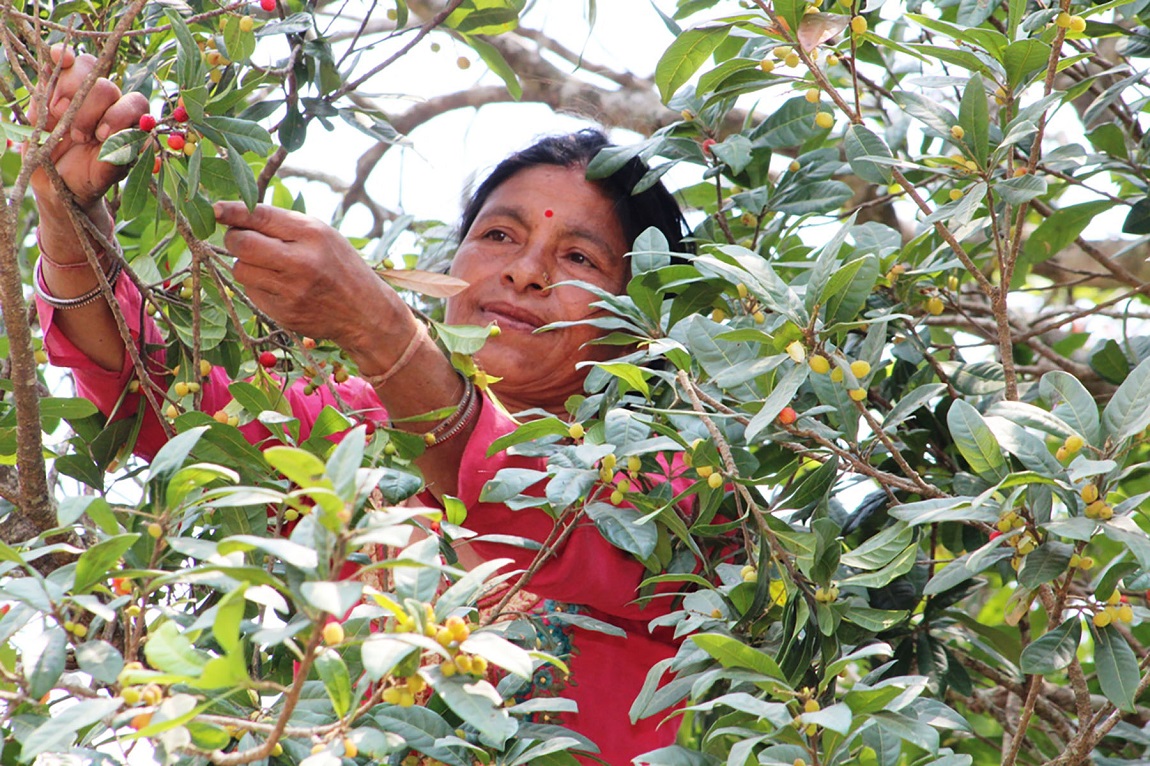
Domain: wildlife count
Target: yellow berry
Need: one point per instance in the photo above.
(812, 95)
(181, 388)
(766, 65)
(1074, 443)
(955, 194)
(1063, 20)
(1089, 493)
(463, 62)
(857, 394)
(1102, 619)
(718, 315)
(333, 634)
(825, 120)
(750, 573)
(759, 317)
(687, 115)
(448, 669)
(478, 666)
(459, 628)
(40, 356)
(782, 52)
(811, 706)
(820, 364)
(957, 132)
(860, 368)
(797, 352)
(463, 664)
(156, 530)
(1086, 563)
(171, 412)
(859, 25)
(794, 166)
(705, 470)
(634, 463)
(616, 497)
(349, 749)
(131, 695)
(493, 331)
(416, 684)
(1077, 24)
(715, 480)
(1125, 613)
(246, 24)
(837, 375)
(133, 610)
(792, 60)
(277, 750)
(79, 631)
(576, 431)
(832, 59)
(934, 305)
(1061, 454)
(1106, 513)
(741, 289)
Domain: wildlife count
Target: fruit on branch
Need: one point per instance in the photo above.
(267, 359)
(147, 123)
(788, 416)
(820, 364)
(176, 142)
(333, 634)
(859, 25)
(268, 5)
(180, 114)
(247, 23)
(825, 120)
(934, 305)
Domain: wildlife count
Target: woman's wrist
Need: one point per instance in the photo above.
(60, 241)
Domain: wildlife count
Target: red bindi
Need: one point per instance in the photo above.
(548, 213)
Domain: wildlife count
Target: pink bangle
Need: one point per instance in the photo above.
(408, 354)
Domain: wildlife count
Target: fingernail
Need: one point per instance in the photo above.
(103, 131)
(61, 106)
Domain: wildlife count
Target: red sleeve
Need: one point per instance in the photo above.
(586, 570)
(104, 387)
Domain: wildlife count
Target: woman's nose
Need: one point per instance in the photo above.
(527, 270)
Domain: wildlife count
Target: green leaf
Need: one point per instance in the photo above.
(621, 528)
(732, 653)
(974, 117)
(1015, 191)
(244, 135)
(137, 189)
(684, 57)
(1044, 564)
(240, 44)
(629, 373)
(335, 598)
(1022, 58)
(244, 179)
(123, 147)
(200, 216)
(169, 650)
(781, 395)
(500, 651)
(1054, 650)
(478, 704)
(95, 563)
(497, 64)
(898, 566)
(172, 455)
(1128, 411)
(848, 289)
(302, 467)
(1060, 229)
(59, 733)
(879, 550)
(336, 680)
(1117, 667)
(792, 124)
(382, 652)
(46, 670)
(190, 67)
(861, 144)
(971, 13)
(975, 441)
(290, 553)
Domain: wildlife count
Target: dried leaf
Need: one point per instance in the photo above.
(816, 28)
(424, 282)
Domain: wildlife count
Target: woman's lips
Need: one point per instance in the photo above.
(510, 317)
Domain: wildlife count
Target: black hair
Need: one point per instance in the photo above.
(654, 206)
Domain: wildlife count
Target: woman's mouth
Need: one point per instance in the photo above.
(511, 317)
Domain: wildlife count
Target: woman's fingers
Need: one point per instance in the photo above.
(123, 114)
(285, 225)
(103, 95)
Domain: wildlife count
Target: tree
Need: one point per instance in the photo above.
(915, 420)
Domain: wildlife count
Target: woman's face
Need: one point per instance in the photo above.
(544, 225)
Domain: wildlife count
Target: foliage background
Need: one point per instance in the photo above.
(924, 304)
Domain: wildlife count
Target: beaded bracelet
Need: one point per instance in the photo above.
(81, 300)
(457, 421)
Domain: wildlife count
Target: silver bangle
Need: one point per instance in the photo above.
(458, 420)
(82, 300)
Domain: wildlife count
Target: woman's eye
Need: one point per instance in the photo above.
(580, 259)
(496, 235)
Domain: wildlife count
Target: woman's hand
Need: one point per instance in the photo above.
(105, 110)
(308, 278)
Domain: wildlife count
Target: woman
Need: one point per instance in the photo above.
(534, 223)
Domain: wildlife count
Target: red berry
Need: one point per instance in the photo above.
(369, 427)
(156, 165)
(707, 144)
(267, 359)
(434, 526)
(788, 416)
(995, 535)
(180, 114)
(147, 123)
(176, 142)
(268, 5)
